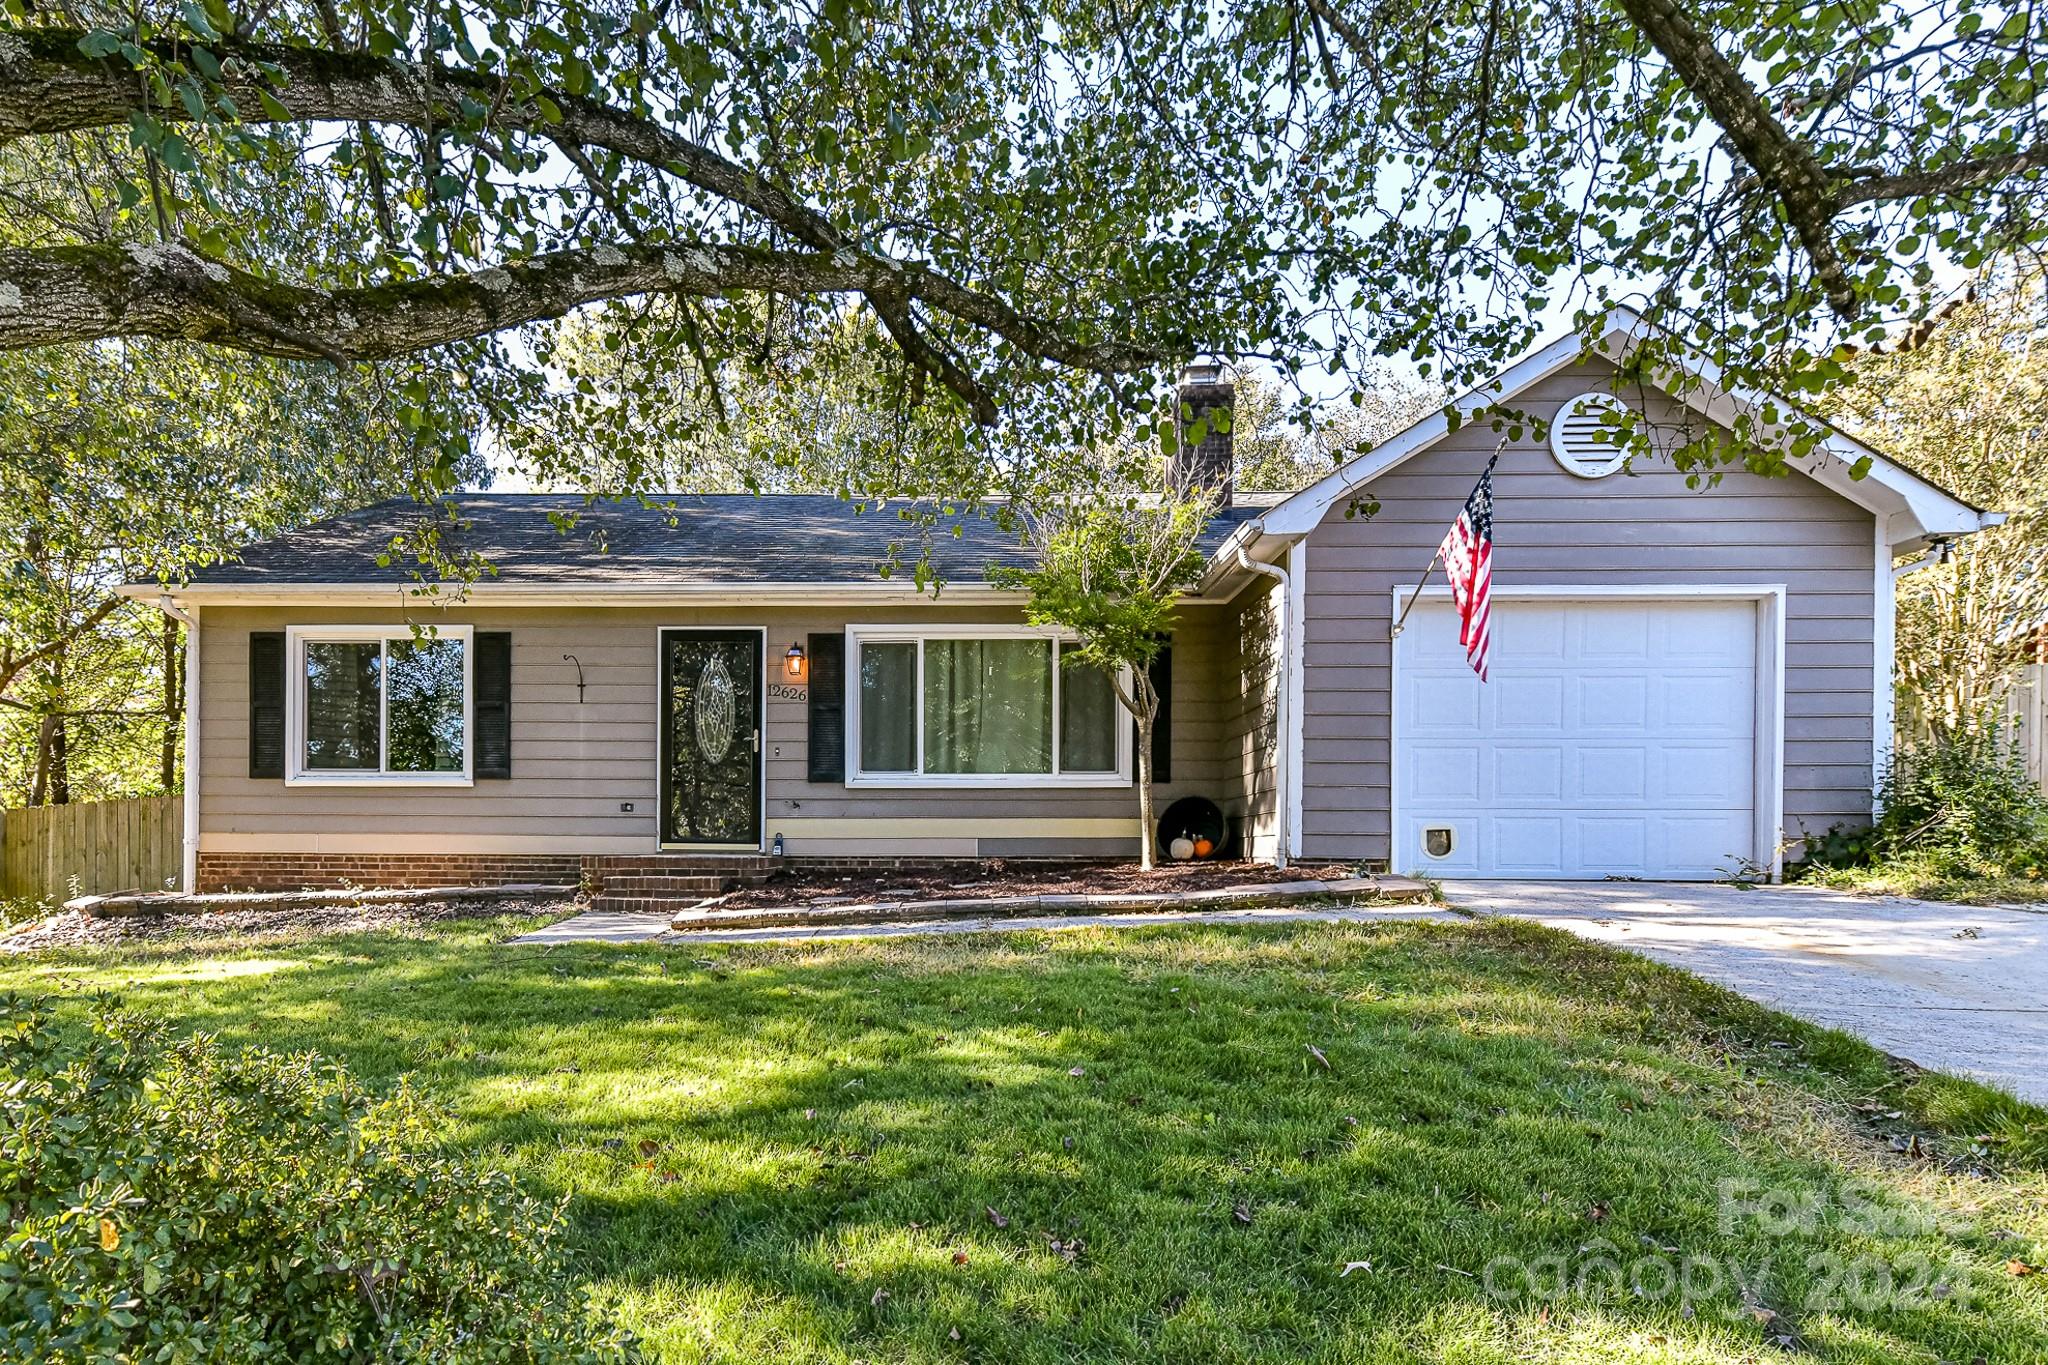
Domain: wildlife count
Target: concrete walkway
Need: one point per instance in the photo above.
(1274, 914)
(603, 927)
(600, 926)
(1956, 987)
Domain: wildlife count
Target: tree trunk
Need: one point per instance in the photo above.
(51, 784)
(1143, 704)
(60, 763)
(1146, 841)
(39, 782)
(174, 701)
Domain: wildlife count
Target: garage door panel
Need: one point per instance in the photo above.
(1615, 738)
(1613, 704)
(1619, 843)
(1609, 776)
(1542, 639)
(1703, 846)
(1707, 635)
(1525, 845)
(1619, 635)
(1527, 772)
(1723, 704)
(1443, 704)
(1527, 705)
(1718, 774)
(1444, 772)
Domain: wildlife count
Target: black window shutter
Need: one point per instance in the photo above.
(828, 708)
(266, 703)
(492, 721)
(1161, 673)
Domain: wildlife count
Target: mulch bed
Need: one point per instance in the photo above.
(994, 878)
(69, 929)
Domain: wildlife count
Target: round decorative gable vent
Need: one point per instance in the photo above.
(1581, 436)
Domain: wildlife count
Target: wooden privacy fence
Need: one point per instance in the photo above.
(2026, 720)
(105, 845)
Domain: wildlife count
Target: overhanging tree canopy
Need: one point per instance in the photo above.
(1079, 195)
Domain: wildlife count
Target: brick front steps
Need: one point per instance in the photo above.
(817, 914)
(664, 883)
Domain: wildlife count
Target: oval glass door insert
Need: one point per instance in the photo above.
(717, 712)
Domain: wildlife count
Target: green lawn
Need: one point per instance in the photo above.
(1116, 1145)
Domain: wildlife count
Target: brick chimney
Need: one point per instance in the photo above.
(1206, 390)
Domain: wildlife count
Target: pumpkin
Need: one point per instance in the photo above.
(1203, 848)
(1181, 849)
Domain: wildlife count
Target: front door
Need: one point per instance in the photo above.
(711, 737)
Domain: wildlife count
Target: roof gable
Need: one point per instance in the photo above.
(1913, 510)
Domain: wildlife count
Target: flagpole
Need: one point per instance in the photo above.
(1416, 596)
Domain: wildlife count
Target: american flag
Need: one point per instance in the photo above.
(1467, 553)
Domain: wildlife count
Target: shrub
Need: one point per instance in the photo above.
(19, 910)
(171, 1200)
(1959, 806)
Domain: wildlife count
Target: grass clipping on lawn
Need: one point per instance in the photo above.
(1324, 1143)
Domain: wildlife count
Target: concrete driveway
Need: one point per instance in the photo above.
(1956, 987)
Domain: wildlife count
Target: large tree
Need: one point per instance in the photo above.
(1011, 192)
(1968, 408)
(142, 461)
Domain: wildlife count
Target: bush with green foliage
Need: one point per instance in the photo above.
(1959, 806)
(171, 1200)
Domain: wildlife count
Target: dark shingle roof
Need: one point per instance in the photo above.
(683, 538)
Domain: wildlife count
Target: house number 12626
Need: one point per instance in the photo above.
(784, 692)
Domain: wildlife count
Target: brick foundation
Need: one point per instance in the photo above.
(322, 871)
(326, 871)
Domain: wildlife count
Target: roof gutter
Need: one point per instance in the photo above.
(408, 597)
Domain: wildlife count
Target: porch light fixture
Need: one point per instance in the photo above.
(795, 660)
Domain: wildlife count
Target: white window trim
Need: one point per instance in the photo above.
(296, 772)
(856, 635)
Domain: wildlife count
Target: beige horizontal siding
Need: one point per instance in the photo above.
(1249, 716)
(1551, 528)
(574, 764)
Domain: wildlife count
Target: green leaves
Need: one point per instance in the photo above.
(1435, 181)
(100, 43)
(174, 1200)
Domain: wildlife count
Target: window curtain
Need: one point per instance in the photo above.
(888, 707)
(988, 706)
(1088, 719)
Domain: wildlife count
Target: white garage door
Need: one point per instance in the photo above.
(1613, 738)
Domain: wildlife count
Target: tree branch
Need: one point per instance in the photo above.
(16, 664)
(1782, 163)
(51, 295)
(1786, 166)
(894, 311)
(47, 85)
(52, 87)
(1952, 178)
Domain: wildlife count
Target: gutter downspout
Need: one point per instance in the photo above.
(188, 877)
(1283, 680)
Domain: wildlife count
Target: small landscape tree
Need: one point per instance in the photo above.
(1108, 570)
